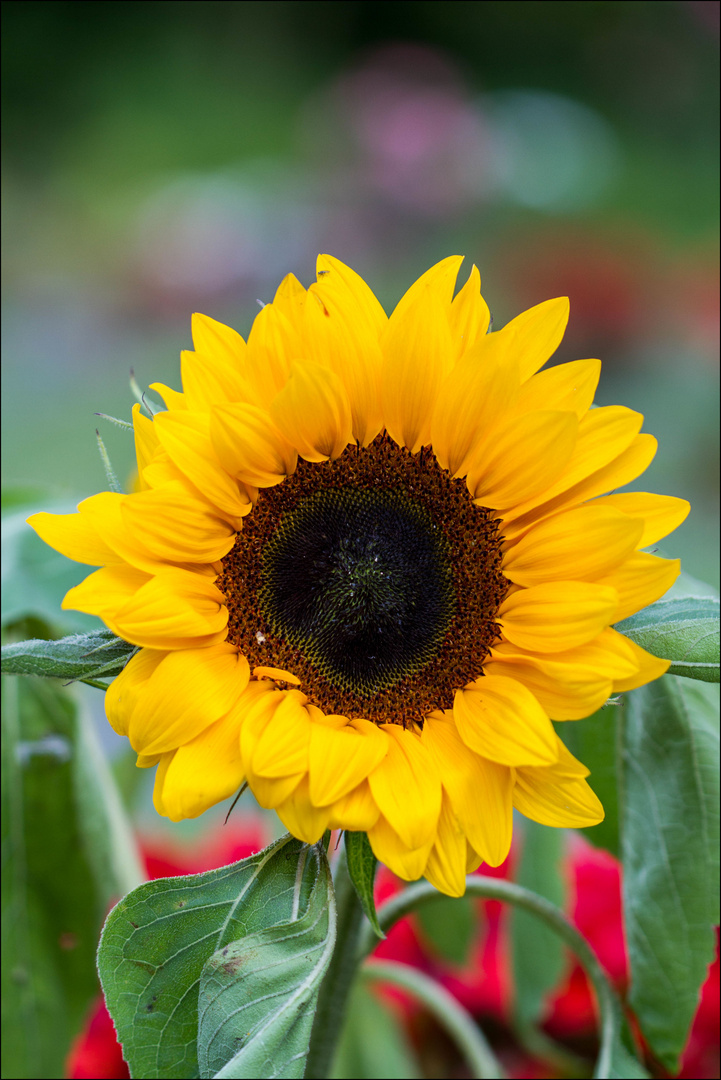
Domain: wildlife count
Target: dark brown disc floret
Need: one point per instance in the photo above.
(372, 578)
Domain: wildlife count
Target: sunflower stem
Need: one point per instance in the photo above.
(333, 996)
(612, 1020)
(457, 1021)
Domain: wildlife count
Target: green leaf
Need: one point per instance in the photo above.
(362, 871)
(537, 952)
(373, 1045)
(99, 654)
(67, 853)
(449, 927)
(594, 742)
(684, 630)
(157, 941)
(669, 838)
(258, 994)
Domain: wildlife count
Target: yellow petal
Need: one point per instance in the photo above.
(175, 525)
(446, 866)
(277, 674)
(537, 333)
(146, 443)
(218, 342)
(249, 445)
(313, 412)
(106, 592)
(417, 356)
(629, 464)
(75, 536)
(273, 344)
(661, 514)
(473, 860)
(469, 315)
(603, 434)
(587, 542)
(125, 691)
(640, 580)
(338, 280)
(258, 705)
(300, 817)
(186, 438)
(439, 282)
(480, 790)
(523, 457)
(551, 797)
(208, 381)
(357, 811)
(104, 513)
(500, 719)
(408, 863)
(572, 684)
(173, 400)
(558, 616)
(339, 338)
(407, 788)
(565, 386)
(289, 299)
(282, 749)
(471, 399)
(566, 690)
(186, 692)
(175, 610)
(341, 758)
(650, 667)
(204, 771)
(160, 775)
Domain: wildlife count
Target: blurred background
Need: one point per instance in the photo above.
(162, 158)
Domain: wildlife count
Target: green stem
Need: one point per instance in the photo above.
(333, 996)
(495, 889)
(459, 1024)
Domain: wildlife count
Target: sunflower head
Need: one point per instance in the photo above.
(368, 562)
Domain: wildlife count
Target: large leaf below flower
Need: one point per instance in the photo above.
(217, 973)
(669, 808)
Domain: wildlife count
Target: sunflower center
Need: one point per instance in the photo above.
(360, 582)
(372, 578)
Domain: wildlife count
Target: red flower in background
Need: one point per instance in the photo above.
(483, 986)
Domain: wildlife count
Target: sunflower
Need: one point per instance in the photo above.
(368, 561)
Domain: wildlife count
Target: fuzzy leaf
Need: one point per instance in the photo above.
(684, 630)
(669, 839)
(258, 994)
(99, 654)
(158, 940)
(362, 871)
